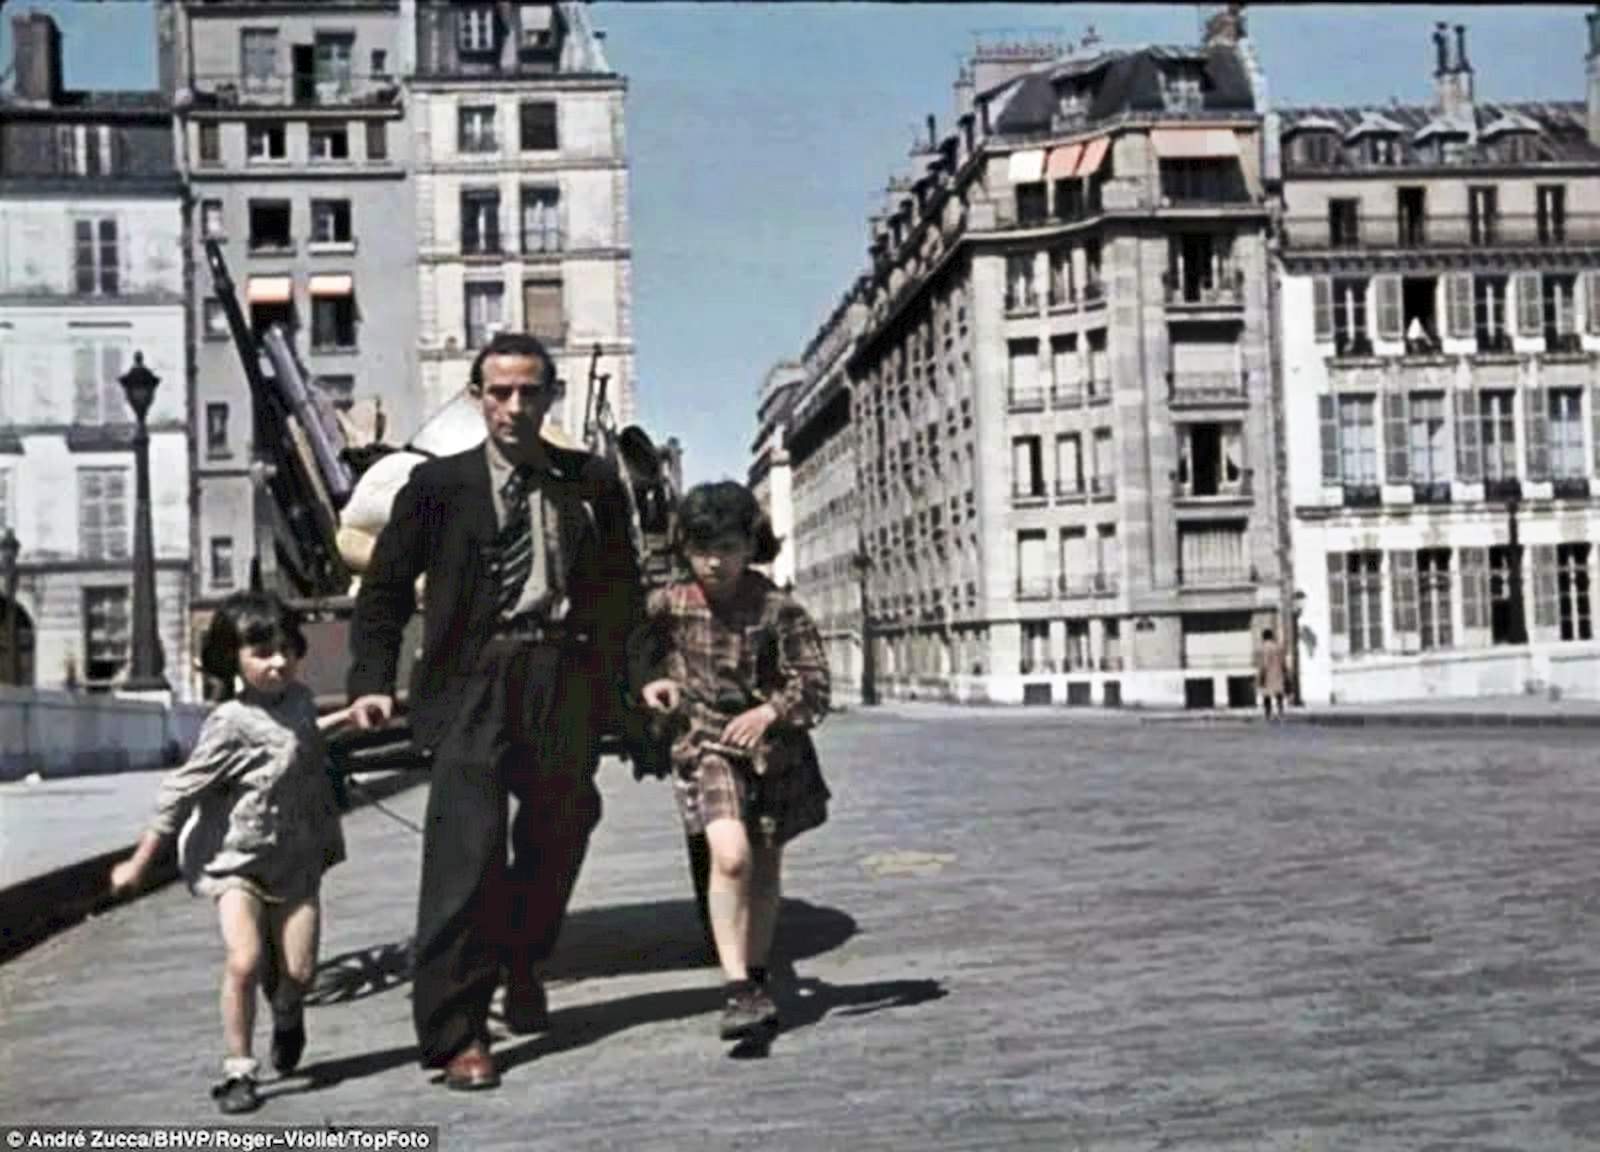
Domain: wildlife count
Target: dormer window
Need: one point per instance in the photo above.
(1382, 151)
(475, 29)
(1070, 104)
(1519, 148)
(1319, 149)
(1181, 87)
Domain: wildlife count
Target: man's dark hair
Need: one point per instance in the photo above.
(514, 344)
(724, 509)
(244, 620)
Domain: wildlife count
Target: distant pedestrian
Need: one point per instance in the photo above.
(1270, 673)
(267, 829)
(740, 665)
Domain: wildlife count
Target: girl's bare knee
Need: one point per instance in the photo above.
(730, 849)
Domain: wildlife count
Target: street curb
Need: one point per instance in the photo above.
(37, 908)
(1574, 721)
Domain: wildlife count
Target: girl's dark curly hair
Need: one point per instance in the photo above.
(723, 510)
(245, 620)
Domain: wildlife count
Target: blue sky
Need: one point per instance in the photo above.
(761, 134)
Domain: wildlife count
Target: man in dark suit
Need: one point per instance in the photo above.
(531, 588)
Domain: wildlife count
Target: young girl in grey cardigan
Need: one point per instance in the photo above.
(267, 828)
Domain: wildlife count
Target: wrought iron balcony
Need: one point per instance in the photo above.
(1202, 388)
(1364, 495)
(219, 90)
(1570, 487)
(1443, 232)
(1502, 488)
(1430, 492)
(1221, 492)
(1226, 291)
(1025, 399)
(1217, 576)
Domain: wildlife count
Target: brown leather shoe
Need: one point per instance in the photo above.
(471, 1069)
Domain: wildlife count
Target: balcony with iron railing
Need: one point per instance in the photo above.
(1203, 389)
(216, 91)
(1570, 488)
(1430, 492)
(1185, 492)
(1210, 577)
(1035, 587)
(1086, 584)
(1191, 294)
(1026, 399)
(1442, 232)
(1029, 495)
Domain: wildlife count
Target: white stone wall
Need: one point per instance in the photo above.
(37, 250)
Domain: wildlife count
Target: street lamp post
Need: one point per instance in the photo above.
(9, 548)
(139, 385)
(869, 665)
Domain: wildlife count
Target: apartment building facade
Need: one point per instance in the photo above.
(825, 519)
(1061, 392)
(91, 275)
(771, 477)
(521, 215)
(1439, 334)
(295, 143)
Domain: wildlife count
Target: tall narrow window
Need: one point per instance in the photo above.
(544, 309)
(1344, 223)
(1497, 428)
(1483, 214)
(475, 129)
(1019, 282)
(222, 562)
(258, 55)
(209, 134)
(485, 308)
(1027, 467)
(1358, 441)
(475, 29)
(96, 260)
(1506, 625)
(1350, 334)
(541, 219)
(106, 632)
(537, 126)
(1566, 433)
(377, 140)
(103, 513)
(1491, 323)
(216, 430)
(1364, 585)
(1433, 597)
(480, 221)
(1572, 591)
(1430, 443)
(1552, 213)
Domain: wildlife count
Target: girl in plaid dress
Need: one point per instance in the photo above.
(738, 665)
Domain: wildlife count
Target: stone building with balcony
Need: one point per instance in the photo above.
(91, 273)
(1061, 395)
(293, 137)
(771, 478)
(1438, 327)
(521, 197)
(827, 526)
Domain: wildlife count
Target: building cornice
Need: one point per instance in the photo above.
(425, 83)
(521, 166)
(278, 175)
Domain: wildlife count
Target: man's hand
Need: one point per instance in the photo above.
(126, 876)
(746, 729)
(368, 712)
(662, 695)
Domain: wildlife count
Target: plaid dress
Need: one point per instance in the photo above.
(758, 647)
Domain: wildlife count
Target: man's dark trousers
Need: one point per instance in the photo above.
(524, 730)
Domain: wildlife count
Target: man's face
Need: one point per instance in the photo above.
(514, 400)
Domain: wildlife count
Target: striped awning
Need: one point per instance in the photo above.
(1194, 143)
(1027, 167)
(1094, 155)
(1063, 162)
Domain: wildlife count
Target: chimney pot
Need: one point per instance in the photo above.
(1441, 48)
(1461, 49)
(36, 58)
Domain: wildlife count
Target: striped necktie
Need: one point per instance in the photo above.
(514, 542)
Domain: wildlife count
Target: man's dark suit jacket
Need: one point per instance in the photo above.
(443, 525)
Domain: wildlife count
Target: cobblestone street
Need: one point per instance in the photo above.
(1018, 931)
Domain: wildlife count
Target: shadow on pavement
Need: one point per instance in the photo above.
(615, 940)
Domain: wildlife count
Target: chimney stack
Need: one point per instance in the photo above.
(36, 49)
(1592, 60)
(1453, 79)
(933, 132)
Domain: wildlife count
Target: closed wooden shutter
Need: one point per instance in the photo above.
(1403, 569)
(1458, 304)
(1536, 428)
(1529, 321)
(1469, 452)
(1591, 295)
(1322, 308)
(1544, 585)
(85, 385)
(1474, 590)
(1328, 418)
(1338, 610)
(1396, 435)
(542, 312)
(1389, 324)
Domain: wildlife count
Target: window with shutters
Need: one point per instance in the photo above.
(1565, 408)
(485, 311)
(1027, 468)
(96, 257)
(1559, 313)
(1458, 304)
(1483, 214)
(543, 312)
(1430, 446)
(1497, 435)
(1019, 283)
(107, 628)
(480, 221)
(1505, 597)
(1403, 596)
(103, 521)
(1033, 572)
(1364, 593)
(537, 126)
(1536, 432)
(1433, 598)
(1490, 325)
(1572, 591)
(1350, 335)
(1358, 442)
(97, 396)
(1344, 223)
